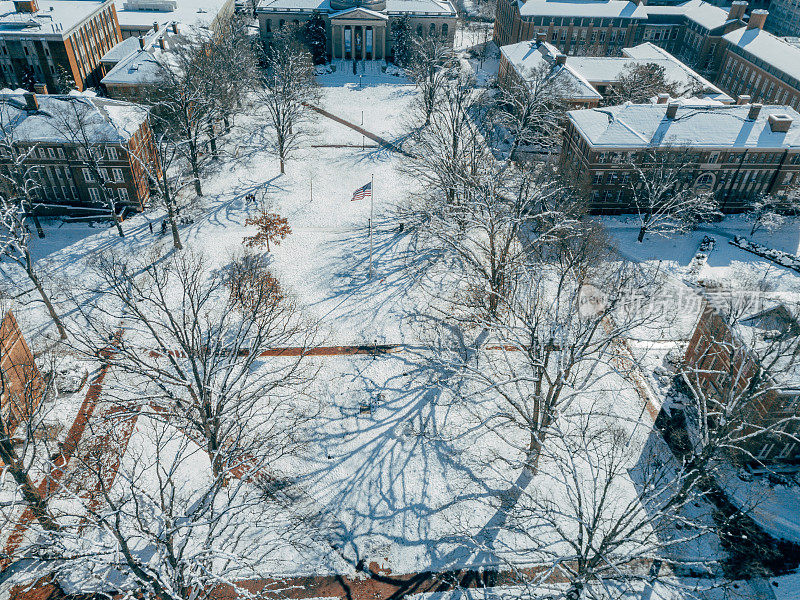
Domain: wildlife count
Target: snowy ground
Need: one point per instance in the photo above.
(408, 485)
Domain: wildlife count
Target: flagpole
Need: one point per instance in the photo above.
(371, 214)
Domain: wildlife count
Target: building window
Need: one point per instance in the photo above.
(94, 194)
(112, 153)
(118, 175)
(432, 30)
(88, 175)
(60, 152)
(51, 152)
(444, 30)
(123, 195)
(419, 30)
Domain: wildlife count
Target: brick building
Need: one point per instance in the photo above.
(784, 17)
(136, 17)
(118, 135)
(20, 380)
(723, 358)
(692, 30)
(737, 152)
(41, 41)
(588, 78)
(761, 65)
(134, 67)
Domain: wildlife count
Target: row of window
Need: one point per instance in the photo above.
(63, 192)
(740, 77)
(57, 152)
(765, 158)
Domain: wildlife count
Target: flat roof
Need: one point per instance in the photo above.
(54, 17)
(437, 7)
(704, 14)
(141, 14)
(646, 125)
(582, 8)
(767, 47)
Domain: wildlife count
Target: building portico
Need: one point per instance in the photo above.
(359, 33)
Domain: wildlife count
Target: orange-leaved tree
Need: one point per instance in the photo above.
(271, 228)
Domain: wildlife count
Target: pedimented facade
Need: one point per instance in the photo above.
(361, 30)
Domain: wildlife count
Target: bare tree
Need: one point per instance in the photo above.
(442, 150)
(160, 525)
(25, 445)
(561, 320)
(599, 513)
(638, 83)
(769, 211)
(430, 65)
(15, 244)
(533, 106)
(193, 91)
(287, 89)
(664, 195)
(740, 366)
(20, 180)
(198, 351)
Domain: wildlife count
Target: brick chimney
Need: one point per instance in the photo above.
(141, 42)
(672, 110)
(737, 10)
(31, 102)
(757, 19)
(755, 109)
(561, 59)
(662, 98)
(162, 44)
(541, 37)
(155, 26)
(26, 6)
(175, 27)
(743, 99)
(780, 123)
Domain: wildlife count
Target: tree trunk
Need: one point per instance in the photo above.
(62, 332)
(39, 230)
(642, 231)
(176, 238)
(282, 167)
(212, 142)
(30, 494)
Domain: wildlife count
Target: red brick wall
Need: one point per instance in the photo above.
(21, 380)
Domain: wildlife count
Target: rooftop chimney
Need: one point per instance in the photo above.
(40, 88)
(757, 19)
(541, 37)
(31, 102)
(662, 98)
(175, 27)
(737, 10)
(26, 6)
(672, 110)
(162, 44)
(561, 59)
(155, 26)
(141, 42)
(780, 123)
(744, 99)
(754, 110)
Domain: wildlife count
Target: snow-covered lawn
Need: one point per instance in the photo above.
(409, 485)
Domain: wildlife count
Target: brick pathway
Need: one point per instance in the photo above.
(59, 466)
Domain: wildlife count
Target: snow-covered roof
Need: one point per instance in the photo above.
(767, 47)
(358, 10)
(127, 47)
(531, 55)
(704, 14)
(143, 65)
(54, 17)
(585, 72)
(646, 125)
(104, 120)
(430, 7)
(141, 14)
(582, 8)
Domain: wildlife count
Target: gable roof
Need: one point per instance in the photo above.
(104, 120)
(359, 12)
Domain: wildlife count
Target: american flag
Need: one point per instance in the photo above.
(362, 192)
